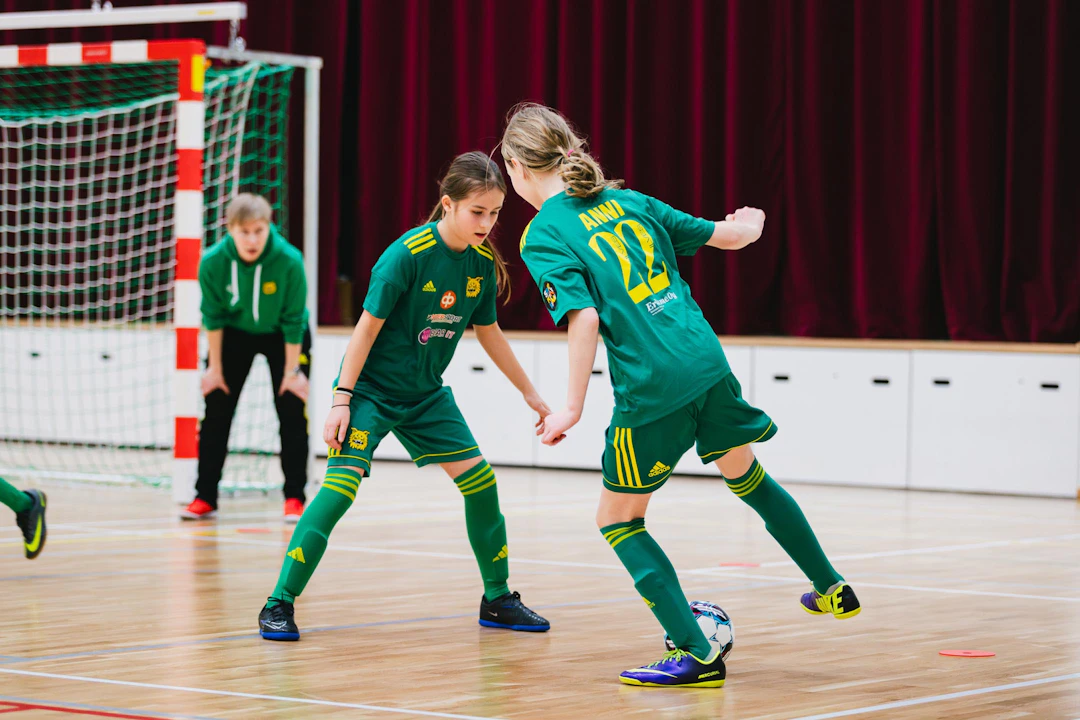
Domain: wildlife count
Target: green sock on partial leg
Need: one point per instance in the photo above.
(486, 527)
(656, 581)
(312, 532)
(13, 497)
(785, 521)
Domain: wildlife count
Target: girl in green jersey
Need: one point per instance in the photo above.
(604, 259)
(425, 289)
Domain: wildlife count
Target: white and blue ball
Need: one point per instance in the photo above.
(715, 623)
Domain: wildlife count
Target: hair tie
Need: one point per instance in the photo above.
(569, 152)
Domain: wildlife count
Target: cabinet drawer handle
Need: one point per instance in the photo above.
(597, 372)
(1049, 386)
(478, 368)
(781, 378)
(881, 381)
(942, 381)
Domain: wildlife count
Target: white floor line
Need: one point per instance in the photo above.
(919, 551)
(227, 693)
(939, 698)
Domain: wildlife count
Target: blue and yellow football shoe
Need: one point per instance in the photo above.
(509, 613)
(32, 523)
(840, 601)
(679, 668)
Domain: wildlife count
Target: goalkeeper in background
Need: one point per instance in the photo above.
(253, 301)
(29, 507)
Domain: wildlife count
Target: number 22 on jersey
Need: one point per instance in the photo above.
(652, 282)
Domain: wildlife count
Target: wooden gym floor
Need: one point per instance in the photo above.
(129, 613)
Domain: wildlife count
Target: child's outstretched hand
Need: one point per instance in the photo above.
(552, 429)
(540, 408)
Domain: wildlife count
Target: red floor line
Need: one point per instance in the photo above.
(18, 707)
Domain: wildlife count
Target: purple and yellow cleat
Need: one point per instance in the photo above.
(679, 668)
(840, 601)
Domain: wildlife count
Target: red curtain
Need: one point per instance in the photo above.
(917, 159)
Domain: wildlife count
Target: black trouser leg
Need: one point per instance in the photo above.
(292, 417)
(237, 352)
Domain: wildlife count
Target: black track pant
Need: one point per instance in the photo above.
(238, 351)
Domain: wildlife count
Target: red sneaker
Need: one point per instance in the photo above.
(294, 508)
(198, 510)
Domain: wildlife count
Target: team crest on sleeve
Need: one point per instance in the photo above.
(472, 287)
(358, 439)
(550, 296)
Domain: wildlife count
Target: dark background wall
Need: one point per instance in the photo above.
(918, 159)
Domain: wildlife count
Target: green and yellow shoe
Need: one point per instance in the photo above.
(32, 523)
(840, 601)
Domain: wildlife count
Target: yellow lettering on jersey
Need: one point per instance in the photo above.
(602, 213)
(589, 224)
(599, 215)
(613, 209)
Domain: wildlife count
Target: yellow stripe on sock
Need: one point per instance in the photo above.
(343, 483)
(480, 469)
(478, 481)
(633, 455)
(335, 484)
(479, 489)
(751, 484)
(629, 534)
(616, 532)
(354, 481)
(750, 479)
(336, 489)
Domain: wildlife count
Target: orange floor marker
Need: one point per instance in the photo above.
(966, 653)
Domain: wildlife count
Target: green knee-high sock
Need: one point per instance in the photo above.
(312, 532)
(786, 523)
(13, 497)
(656, 581)
(486, 527)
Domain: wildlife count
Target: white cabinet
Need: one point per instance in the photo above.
(496, 413)
(842, 414)
(584, 444)
(1003, 422)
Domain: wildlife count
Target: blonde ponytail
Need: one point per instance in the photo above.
(542, 140)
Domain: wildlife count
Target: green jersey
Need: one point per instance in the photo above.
(616, 252)
(262, 297)
(428, 294)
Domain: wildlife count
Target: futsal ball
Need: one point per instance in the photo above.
(715, 623)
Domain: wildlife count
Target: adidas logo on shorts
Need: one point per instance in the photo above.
(429, 287)
(658, 469)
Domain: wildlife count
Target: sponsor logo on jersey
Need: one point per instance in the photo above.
(448, 299)
(429, 286)
(358, 439)
(444, 318)
(655, 307)
(429, 333)
(269, 288)
(550, 296)
(472, 287)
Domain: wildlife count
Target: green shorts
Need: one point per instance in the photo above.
(431, 429)
(640, 459)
